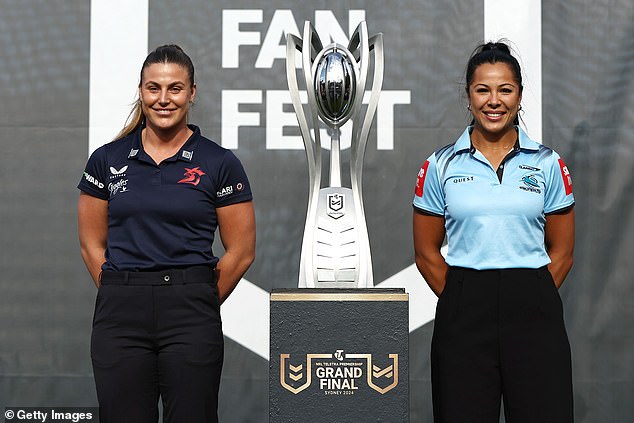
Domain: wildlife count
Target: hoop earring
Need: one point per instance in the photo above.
(469, 107)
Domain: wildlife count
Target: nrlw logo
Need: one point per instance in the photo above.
(192, 176)
(335, 205)
(380, 379)
(341, 377)
(300, 376)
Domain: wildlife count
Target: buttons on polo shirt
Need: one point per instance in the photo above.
(156, 177)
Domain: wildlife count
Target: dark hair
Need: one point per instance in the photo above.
(493, 53)
(169, 53)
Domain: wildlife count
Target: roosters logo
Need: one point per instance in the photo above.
(192, 176)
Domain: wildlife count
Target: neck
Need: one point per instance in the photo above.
(161, 138)
(494, 141)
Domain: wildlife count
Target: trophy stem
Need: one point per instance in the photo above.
(335, 159)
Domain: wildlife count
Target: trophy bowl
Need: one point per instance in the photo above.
(335, 86)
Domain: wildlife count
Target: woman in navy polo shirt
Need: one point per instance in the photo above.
(505, 204)
(149, 206)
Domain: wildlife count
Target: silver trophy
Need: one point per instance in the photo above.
(336, 247)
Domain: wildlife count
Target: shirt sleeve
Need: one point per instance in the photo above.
(233, 184)
(558, 186)
(428, 195)
(93, 181)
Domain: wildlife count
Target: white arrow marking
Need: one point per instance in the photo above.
(245, 317)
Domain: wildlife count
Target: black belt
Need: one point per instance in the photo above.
(194, 274)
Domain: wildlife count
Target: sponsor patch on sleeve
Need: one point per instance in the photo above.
(565, 174)
(420, 181)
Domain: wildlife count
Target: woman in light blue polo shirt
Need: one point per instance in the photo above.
(505, 204)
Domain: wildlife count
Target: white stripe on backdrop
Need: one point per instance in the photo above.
(118, 46)
(520, 21)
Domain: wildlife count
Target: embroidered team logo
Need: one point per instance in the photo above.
(531, 183)
(565, 174)
(192, 176)
(420, 181)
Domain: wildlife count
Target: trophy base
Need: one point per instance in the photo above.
(339, 355)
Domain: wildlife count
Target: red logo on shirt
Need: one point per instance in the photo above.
(565, 174)
(192, 176)
(420, 182)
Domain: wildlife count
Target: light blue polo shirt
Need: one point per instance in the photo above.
(494, 218)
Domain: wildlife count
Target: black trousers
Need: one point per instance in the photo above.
(157, 334)
(500, 333)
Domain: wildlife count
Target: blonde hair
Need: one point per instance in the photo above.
(133, 121)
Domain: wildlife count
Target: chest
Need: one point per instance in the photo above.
(473, 188)
(172, 190)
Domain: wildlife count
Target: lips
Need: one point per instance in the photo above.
(163, 112)
(494, 116)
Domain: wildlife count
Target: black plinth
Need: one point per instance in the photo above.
(339, 355)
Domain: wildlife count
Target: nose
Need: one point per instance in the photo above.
(494, 99)
(164, 98)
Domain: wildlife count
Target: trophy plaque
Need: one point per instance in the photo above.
(336, 247)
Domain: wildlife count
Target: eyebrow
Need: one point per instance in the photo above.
(512, 84)
(172, 84)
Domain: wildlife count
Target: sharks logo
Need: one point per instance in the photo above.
(531, 183)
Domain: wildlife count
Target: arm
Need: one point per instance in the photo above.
(237, 233)
(429, 233)
(560, 243)
(92, 215)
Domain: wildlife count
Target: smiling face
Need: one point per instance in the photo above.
(166, 93)
(494, 99)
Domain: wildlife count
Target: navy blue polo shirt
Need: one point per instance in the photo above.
(163, 216)
(494, 218)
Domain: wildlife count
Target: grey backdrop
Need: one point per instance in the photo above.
(46, 297)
